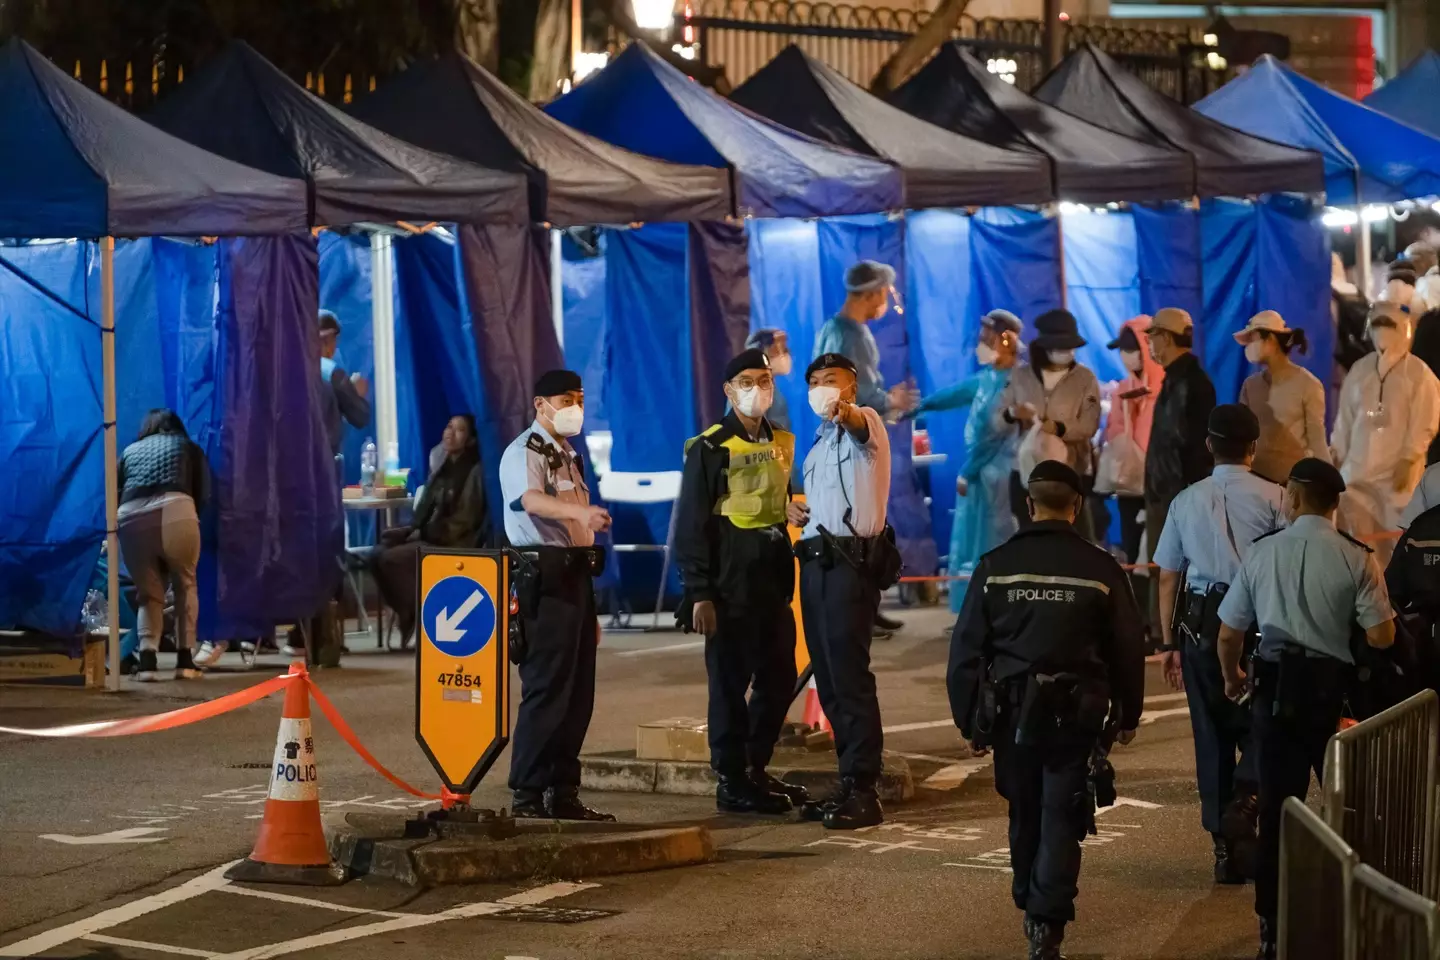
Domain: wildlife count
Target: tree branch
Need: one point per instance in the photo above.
(921, 46)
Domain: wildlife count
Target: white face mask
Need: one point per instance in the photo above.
(1385, 338)
(1062, 358)
(985, 354)
(567, 420)
(1254, 350)
(822, 399)
(1131, 359)
(755, 401)
(781, 365)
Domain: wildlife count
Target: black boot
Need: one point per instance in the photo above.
(887, 623)
(529, 805)
(1268, 937)
(563, 803)
(798, 795)
(1238, 825)
(1227, 870)
(1045, 938)
(815, 810)
(739, 794)
(860, 809)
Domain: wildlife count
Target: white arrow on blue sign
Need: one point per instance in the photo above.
(458, 616)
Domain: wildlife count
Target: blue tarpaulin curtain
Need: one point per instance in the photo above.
(1016, 258)
(346, 290)
(1167, 240)
(719, 309)
(786, 294)
(1102, 284)
(582, 276)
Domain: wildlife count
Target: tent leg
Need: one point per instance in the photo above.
(382, 315)
(557, 291)
(112, 492)
(1362, 253)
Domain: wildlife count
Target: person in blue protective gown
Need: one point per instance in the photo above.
(983, 519)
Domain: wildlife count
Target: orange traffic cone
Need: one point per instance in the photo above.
(814, 717)
(291, 845)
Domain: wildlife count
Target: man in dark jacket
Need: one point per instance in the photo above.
(1177, 455)
(1049, 636)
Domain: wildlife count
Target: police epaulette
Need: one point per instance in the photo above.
(1269, 533)
(536, 443)
(1363, 546)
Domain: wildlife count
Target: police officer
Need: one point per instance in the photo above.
(1413, 578)
(1206, 536)
(847, 482)
(1048, 647)
(549, 520)
(734, 556)
(1305, 586)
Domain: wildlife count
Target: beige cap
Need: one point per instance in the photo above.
(1267, 320)
(1171, 320)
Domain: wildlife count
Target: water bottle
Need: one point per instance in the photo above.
(95, 614)
(392, 461)
(369, 457)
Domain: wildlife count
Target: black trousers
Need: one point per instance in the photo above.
(1130, 526)
(1048, 789)
(1221, 730)
(1290, 748)
(557, 683)
(839, 612)
(752, 651)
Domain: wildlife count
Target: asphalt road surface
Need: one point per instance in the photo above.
(114, 848)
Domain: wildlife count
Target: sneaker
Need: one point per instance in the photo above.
(185, 668)
(210, 653)
(294, 653)
(740, 794)
(129, 664)
(148, 667)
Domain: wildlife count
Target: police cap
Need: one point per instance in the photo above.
(1234, 421)
(1323, 475)
(830, 361)
(553, 383)
(1053, 471)
(746, 360)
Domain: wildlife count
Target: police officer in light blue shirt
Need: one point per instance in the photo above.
(1207, 534)
(1306, 587)
(847, 482)
(549, 520)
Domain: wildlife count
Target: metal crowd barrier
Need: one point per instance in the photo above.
(1317, 870)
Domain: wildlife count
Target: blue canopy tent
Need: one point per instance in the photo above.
(74, 165)
(1413, 96)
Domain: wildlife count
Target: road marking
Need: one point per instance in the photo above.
(1131, 802)
(922, 725)
(1165, 698)
(670, 648)
(115, 916)
(128, 835)
(927, 758)
(307, 902)
(1162, 714)
(553, 891)
(147, 945)
(955, 775)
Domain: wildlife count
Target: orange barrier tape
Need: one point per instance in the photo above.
(160, 721)
(348, 735)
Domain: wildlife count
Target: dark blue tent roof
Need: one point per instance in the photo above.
(72, 164)
(942, 169)
(240, 106)
(453, 105)
(1227, 162)
(642, 103)
(1385, 159)
(1414, 96)
(1091, 164)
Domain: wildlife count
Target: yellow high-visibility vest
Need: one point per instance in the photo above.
(757, 480)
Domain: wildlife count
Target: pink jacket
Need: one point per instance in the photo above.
(1142, 409)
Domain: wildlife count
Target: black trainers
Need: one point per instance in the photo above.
(529, 805)
(1045, 938)
(860, 809)
(740, 794)
(1227, 870)
(185, 668)
(563, 803)
(148, 667)
(798, 795)
(815, 810)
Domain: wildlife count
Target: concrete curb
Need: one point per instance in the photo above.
(623, 773)
(540, 849)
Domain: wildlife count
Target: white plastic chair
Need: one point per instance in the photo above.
(641, 488)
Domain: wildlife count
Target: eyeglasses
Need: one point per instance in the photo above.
(750, 383)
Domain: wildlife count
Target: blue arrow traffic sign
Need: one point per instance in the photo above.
(458, 616)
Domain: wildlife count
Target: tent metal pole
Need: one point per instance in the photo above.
(112, 492)
(557, 290)
(382, 315)
(1362, 254)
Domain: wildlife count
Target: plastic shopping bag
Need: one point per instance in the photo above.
(1037, 447)
(1121, 469)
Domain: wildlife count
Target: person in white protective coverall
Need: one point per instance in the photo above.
(1389, 405)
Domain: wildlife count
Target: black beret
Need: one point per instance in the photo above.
(1234, 421)
(553, 383)
(830, 361)
(746, 360)
(1319, 472)
(1053, 471)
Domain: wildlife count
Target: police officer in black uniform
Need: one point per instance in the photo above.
(1048, 652)
(1413, 580)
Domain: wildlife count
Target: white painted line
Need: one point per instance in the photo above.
(147, 945)
(1128, 802)
(307, 902)
(213, 880)
(1165, 698)
(127, 835)
(1154, 715)
(955, 775)
(553, 891)
(670, 648)
(976, 866)
(923, 725)
(927, 758)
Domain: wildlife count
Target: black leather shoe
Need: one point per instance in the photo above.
(860, 809)
(888, 623)
(740, 794)
(1238, 826)
(1227, 871)
(815, 810)
(798, 795)
(529, 805)
(565, 804)
(1045, 938)
(1268, 935)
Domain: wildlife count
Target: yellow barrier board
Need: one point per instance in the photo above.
(802, 652)
(462, 676)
